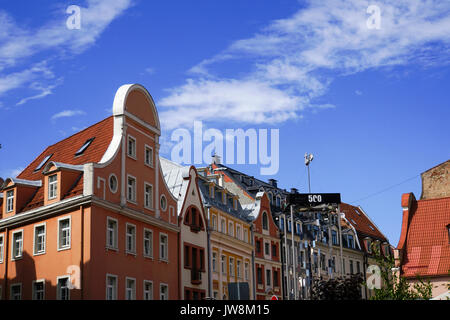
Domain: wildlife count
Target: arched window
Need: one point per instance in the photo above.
(194, 219)
(265, 222)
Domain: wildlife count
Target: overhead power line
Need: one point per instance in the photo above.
(384, 190)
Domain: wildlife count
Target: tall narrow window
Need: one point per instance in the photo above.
(131, 149)
(148, 243)
(246, 271)
(16, 292)
(163, 247)
(214, 262)
(111, 233)
(64, 233)
(148, 290)
(2, 247)
(148, 156)
(52, 186)
(39, 239)
(111, 287)
(231, 267)
(44, 161)
(63, 288)
(268, 277)
(238, 269)
(84, 147)
(130, 238)
(163, 292)
(17, 245)
(10, 201)
(265, 222)
(222, 264)
(38, 290)
(148, 196)
(130, 293)
(131, 189)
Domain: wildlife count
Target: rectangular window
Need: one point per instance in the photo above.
(130, 289)
(10, 201)
(163, 247)
(148, 290)
(238, 232)
(63, 233)
(246, 271)
(351, 243)
(17, 245)
(222, 262)
(274, 250)
(16, 292)
(358, 267)
(38, 290)
(148, 243)
(163, 291)
(148, 196)
(238, 269)
(268, 277)
(52, 186)
(222, 226)
(334, 238)
(131, 189)
(39, 239)
(214, 261)
(259, 275)
(214, 222)
(351, 266)
(266, 249)
(130, 237)
(275, 278)
(131, 149)
(62, 290)
(231, 266)
(111, 287)
(230, 229)
(2, 247)
(111, 233)
(245, 235)
(148, 156)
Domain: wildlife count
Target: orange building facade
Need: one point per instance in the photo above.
(92, 217)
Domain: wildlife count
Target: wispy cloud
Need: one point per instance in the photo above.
(294, 60)
(68, 113)
(19, 44)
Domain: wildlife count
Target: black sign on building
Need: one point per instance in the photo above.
(313, 199)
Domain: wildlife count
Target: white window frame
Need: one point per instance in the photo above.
(165, 249)
(133, 239)
(133, 292)
(133, 199)
(9, 201)
(58, 288)
(2, 247)
(13, 245)
(245, 234)
(238, 269)
(66, 247)
(231, 266)
(161, 285)
(223, 263)
(238, 232)
(231, 229)
(150, 164)
(147, 292)
(150, 255)
(53, 187)
(11, 291)
(214, 222)
(151, 206)
(115, 233)
(223, 225)
(246, 270)
(108, 286)
(133, 155)
(35, 253)
(214, 261)
(34, 292)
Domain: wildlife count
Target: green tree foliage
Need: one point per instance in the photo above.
(395, 287)
(341, 288)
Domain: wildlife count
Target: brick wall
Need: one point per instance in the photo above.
(436, 182)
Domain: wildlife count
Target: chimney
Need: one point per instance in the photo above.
(273, 183)
(215, 159)
(294, 190)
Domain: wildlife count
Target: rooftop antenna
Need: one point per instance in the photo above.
(308, 159)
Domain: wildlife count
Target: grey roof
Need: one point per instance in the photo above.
(174, 175)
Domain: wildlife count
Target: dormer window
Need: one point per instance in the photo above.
(9, 201)
(43, 162)
(84, 147)
(52, 186)
(224, 197)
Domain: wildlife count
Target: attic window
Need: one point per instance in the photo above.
(43, 162)
(84, 147)
(353, 221)
(371, 228)
(357, 212)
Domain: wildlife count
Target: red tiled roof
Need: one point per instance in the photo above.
(427, 250)
(64, 151)
(361, 222)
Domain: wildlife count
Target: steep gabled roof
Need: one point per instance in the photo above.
(361, 222)
(427, 249)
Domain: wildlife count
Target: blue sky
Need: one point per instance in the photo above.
(372, 105)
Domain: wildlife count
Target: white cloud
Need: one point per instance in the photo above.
(19, 44)
(68, 113)
(293, 60)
